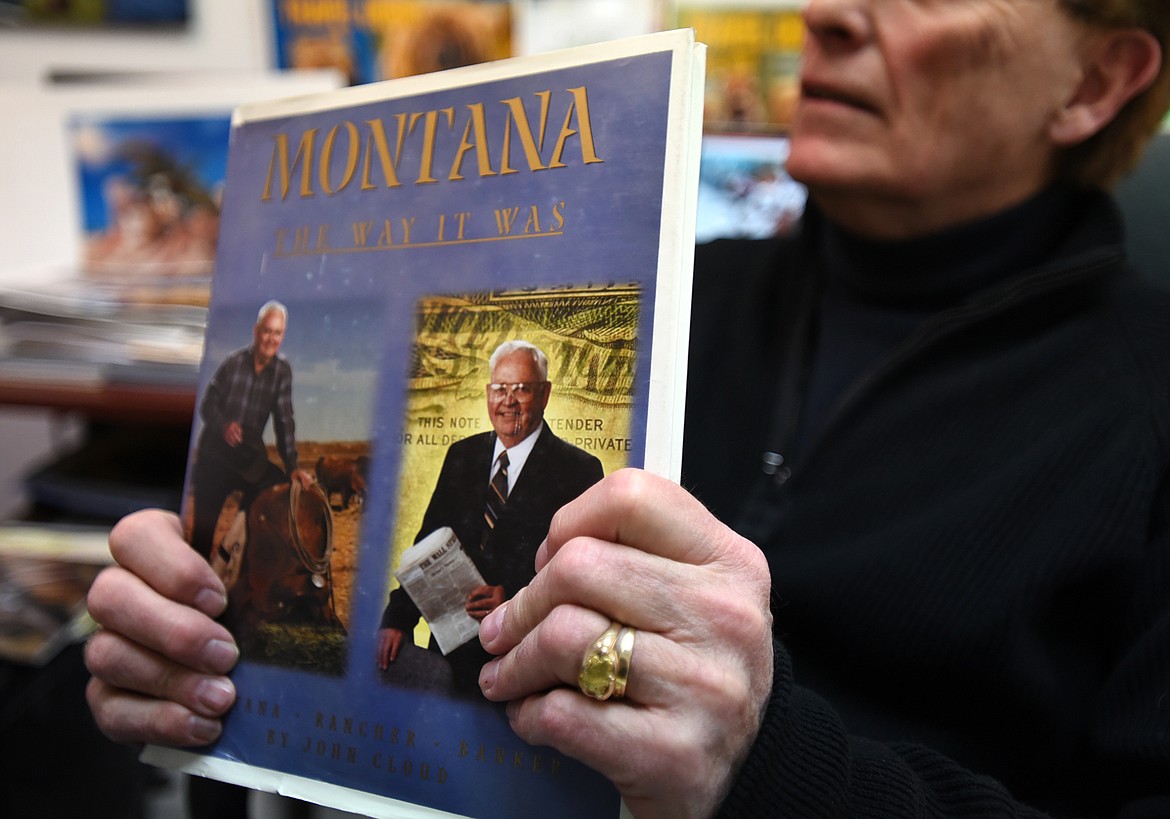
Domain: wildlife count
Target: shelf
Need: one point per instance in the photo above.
(136, 403)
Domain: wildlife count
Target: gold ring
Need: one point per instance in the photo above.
(605, 668)
(625, 650)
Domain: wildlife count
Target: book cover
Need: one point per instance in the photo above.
(411, 229)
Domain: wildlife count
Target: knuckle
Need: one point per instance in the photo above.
(95, 699)
(576, 559)
(103, 592)
(96, 652)
(630, 489)
(183, 637)
(550, 719)
(559, 636)
(184, 577)
(171, 681)
(127, 532)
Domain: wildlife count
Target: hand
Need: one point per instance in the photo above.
(389, 642)
(304, 477)
(233, 433)
(159, 659)
(483, 600)
(640, 550)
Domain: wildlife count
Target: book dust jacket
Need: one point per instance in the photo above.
(410, 228)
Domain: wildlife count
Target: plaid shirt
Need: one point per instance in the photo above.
(238, 393)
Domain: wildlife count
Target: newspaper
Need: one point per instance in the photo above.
(438, 575)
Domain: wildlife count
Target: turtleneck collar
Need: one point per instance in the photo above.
(946, 268)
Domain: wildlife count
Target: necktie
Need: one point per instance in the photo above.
(496, 497)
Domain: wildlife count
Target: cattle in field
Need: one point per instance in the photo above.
(285, 572)
(343, 479)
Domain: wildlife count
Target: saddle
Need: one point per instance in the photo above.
(227, 554)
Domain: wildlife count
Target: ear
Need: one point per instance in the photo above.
(1119, 65)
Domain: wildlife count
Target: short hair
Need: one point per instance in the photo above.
(1111, 153)
(270, 307)
(509, 347)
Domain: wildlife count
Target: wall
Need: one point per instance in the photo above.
(223, 34)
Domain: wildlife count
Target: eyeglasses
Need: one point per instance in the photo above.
(522, 391)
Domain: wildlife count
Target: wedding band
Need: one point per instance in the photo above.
(625, 650)
(605, 668)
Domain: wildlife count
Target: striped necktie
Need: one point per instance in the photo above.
(496, 497)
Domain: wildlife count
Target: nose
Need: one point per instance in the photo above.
(837, 25)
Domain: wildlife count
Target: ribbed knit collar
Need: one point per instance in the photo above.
(947, 267)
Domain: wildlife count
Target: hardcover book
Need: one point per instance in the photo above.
(459, 258)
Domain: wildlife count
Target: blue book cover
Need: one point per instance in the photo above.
(409, 229)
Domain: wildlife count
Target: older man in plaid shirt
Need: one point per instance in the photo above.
(250, 385)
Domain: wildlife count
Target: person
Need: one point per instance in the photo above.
(541, 473)
(924, 566)
(251, 385)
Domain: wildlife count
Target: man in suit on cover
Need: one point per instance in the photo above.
(498, 491)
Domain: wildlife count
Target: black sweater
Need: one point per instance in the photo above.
(968, 539)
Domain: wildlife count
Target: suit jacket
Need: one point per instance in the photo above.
(555, 473)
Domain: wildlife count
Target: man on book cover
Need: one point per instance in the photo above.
(498, 491)
(251, 385)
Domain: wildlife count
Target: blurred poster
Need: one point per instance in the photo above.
(95, 12)
(370, 40)
(744, 189)
(150, 190)
(753, 56)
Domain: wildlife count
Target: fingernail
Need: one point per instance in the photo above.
(215, 694)
(204, 730)
(210, 602)
(220, 655)
(541, 554)
(489, 627)
(487, 675)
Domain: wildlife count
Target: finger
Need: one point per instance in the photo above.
(150, 544)
(128, 666)
(637, 589)
(552, 656)
(122, 603)
(548, 656)
(633, 747)
(395, 646)
(383, 653)
(645, 511)
(127, 717)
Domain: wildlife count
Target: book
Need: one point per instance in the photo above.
(410, 228)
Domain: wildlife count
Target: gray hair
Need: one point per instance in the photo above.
(272, 306)
(509, 347)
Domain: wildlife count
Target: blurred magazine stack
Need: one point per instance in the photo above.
(45, 573)
(128, 175)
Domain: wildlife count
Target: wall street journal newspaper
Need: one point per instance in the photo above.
(438, 575)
